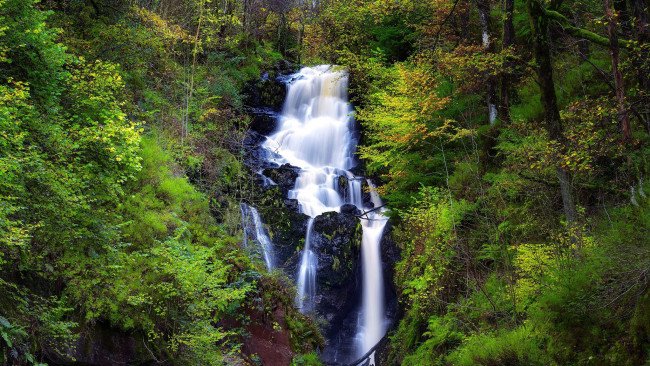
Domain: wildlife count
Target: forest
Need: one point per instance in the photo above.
(509, 140)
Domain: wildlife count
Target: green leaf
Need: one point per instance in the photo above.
(6, 338)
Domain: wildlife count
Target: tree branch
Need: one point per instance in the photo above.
(364, 213)
(435, 44)
(583, 33)
(605, 75)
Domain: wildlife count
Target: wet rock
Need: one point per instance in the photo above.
(343, 186)
(336, 239)
(342, 349)
(390, 252)
(287, 232)
(285, 177)
(257, 157)
(285, 67)
(292, 204)
(272, 93)
(263, 181)
(265, 97)
(390, 255)
(253, 139)
(267, 92)
(264, 120)
(351, 209)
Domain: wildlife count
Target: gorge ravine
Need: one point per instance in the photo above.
(315, 136)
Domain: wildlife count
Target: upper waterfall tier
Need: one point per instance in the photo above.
(315, 128)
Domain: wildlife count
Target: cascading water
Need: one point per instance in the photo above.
(315, 133)
(307, 273)
(373, 325)
(253, 228)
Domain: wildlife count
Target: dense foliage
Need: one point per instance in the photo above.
(121, 126)
(511, 142)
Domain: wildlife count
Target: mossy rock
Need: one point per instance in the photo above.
(286, 227)
(336, 239)
(285, 177)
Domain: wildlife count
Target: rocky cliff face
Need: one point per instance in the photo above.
(265, 97)
(336, 240)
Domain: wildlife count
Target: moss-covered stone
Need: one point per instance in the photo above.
(286, 227)
(336, 238)
(284, 176)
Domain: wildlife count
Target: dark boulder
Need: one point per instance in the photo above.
(390, 255)
(390, 252)
(265, 97)
(263, 181)
(263, 120)
(267, 92)
(257, 158)
(285, 67)
(253, 139)
(292, 204)
(287, 229)
(285, 177)
(336, 238)
(358, 170)
(343, 185)
(351, 209)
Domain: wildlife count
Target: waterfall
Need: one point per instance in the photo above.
(307, 273)
(373, 317)
(253, 228)
(315, 132)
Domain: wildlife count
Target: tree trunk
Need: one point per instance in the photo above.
(567, 199)
(484, 14)
(301, 33)
(640, 62)
(508, 26)
(624, 18)
(618, 77)
(506, 77)
(464, 23)
(542, 47)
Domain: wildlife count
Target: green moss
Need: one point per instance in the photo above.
(337, 264)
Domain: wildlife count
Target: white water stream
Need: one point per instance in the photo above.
(253, 228)
(373, 320)
(315, 133)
